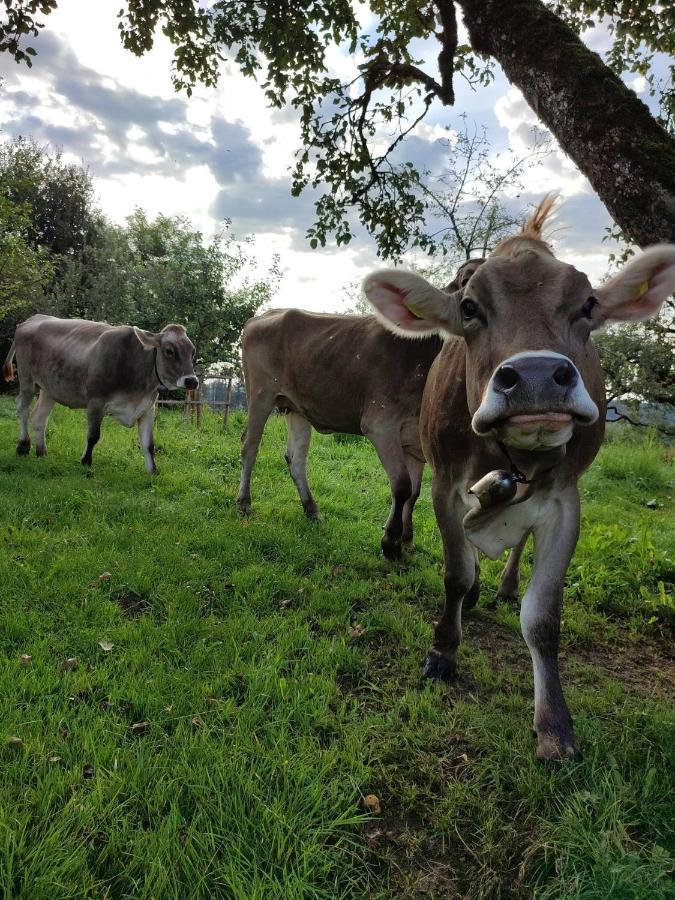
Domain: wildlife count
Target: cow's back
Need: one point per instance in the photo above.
(58, 354)
(335, 369)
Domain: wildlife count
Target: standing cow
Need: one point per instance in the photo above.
(340, 373)
(517, 389)
(108, 370)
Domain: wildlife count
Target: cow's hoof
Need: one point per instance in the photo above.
(439, 667)
(244, 508)
(86, 461)
(552, 749)
(40, 451)
(23, 448)
(509, 598)
(314, 515)
(391, 548)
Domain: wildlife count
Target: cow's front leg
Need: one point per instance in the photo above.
(509, 584)
(415, 470)
(387, 443)
(94, 419)
(554, 543)
(146, 438)
(462, 584)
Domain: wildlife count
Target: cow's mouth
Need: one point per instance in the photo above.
(551, 421)
(537, 430)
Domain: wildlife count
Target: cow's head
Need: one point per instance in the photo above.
(175, 356)
(526, 317)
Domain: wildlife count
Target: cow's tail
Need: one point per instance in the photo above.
(8, 368)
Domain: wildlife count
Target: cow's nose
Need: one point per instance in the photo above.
(191, 383)
(506, 379)
(536, 376)
(566, 375)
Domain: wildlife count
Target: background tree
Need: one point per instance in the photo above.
(25, 271)
(626, 153)
(61, 256)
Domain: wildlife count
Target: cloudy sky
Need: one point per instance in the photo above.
(222, 154)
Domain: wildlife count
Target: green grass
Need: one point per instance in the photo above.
(269, 720)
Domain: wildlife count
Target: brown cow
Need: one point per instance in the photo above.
(107, 370)
(340, 373)
(517, 388)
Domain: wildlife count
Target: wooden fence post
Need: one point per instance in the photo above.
(228, 400)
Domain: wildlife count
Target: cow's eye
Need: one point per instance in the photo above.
(587, 308)
(469, 309)
(169, 352)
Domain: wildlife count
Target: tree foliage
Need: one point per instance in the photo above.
(351, 132)
(25, 271)
(61, 256)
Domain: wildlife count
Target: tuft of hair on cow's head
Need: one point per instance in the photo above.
(526, 318)
(174, 356)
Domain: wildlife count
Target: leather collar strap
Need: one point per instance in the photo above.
(157, 374)
(515, 471)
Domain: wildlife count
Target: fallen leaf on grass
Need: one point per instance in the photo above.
(104, 576)
(285, 603)
(15, 743)
(140, 727)
(106, 645)
(197, 721)
(25, 659)
(69, 665)
(88, 771)
(55, 759)
(372, 804)
(355, 631)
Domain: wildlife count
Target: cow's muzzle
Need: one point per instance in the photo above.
(533, 400)
(191, 382)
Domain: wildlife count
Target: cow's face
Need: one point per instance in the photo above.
(175, 356)
(526, 320)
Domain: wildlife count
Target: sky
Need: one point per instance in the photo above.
(223, 154)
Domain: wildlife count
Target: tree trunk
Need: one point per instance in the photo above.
(610, 134)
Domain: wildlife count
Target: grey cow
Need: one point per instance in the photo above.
(109, 370)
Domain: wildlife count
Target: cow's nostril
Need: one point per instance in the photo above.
(505, 379)
(565, 375)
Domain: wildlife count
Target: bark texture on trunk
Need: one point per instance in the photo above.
(601, 124)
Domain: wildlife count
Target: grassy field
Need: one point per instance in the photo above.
(240, 686)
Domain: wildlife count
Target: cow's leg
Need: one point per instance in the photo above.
(146, 438)
(554, 543)
(415, 470)
(510, 581)
(461, 581)
(299, 439)
(39, 419)
(23, 402)
(94, 419)
(387, 443)
(258, 413)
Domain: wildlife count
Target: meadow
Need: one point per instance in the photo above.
(195, 705)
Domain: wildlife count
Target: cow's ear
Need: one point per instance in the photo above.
(407, 303)
(149, 339)
(640, 288)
